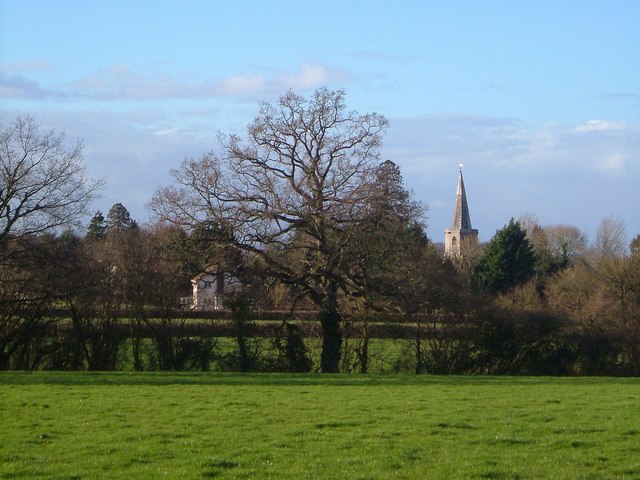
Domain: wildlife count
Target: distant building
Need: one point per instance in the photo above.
(461, 234)
(209, 290)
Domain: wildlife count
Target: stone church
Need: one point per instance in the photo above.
(461, 233)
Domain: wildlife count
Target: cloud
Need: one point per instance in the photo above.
(312, 75)
(242, 85)
(16, 68)
(575, 174)
(125, 83)
(133, 150)
(19, 87)
(444, 137)
(620, 96)
(498, 143)
(614, 163)
(599, 125)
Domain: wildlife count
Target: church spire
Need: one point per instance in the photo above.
(461, 218)
(461, 232)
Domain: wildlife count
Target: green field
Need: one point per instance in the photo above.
(155, 425)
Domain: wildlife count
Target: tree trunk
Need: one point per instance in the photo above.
(245, 362)
(331, 334)
(77, 336)
(136, 344)
(364, 354)
(164, 343)
(239, 306)
(419, 354)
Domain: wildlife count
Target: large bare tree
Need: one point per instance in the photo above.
(43, 189)
(610, 241)
(565, 243)
(43, 186)
(292, 194)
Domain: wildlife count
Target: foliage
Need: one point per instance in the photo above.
(207, 248)
(387, 243)
(97, 227)
(600, 300)
(634, 246)
(507, 261)
(119, 220)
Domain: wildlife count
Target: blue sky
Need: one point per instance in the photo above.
(539, 100)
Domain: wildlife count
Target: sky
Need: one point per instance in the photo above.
(539, 100)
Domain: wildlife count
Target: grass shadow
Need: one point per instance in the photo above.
(284, 379)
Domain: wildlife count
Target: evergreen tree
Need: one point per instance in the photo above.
(119, 220)
(507, 261)
(97, 227)
(392, 264)
(389, 200)
(206, 249)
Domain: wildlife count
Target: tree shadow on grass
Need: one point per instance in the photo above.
(280, 379)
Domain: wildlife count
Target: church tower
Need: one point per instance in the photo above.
(461, 232)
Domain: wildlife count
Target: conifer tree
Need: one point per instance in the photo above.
(119, 220)
(507, 261)
(97, 227)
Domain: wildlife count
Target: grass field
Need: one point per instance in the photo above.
(155, 425)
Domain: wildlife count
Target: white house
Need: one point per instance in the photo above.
(209, 289)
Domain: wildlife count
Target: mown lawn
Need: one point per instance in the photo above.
(156, 425)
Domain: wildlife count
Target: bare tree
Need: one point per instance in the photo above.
(43, 189)
(562, 242)
(530, 223)
(43, 185)
(291, 194)
(611, 238)
(565, 242)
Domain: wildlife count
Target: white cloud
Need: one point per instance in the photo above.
(17, 86)
(243, 85)
(123, 82)
(133, 150)
(19, 68)
(120, 69)
(562, 173)
(510, 168)
(598, 126)
(614, 163)
(313, 75)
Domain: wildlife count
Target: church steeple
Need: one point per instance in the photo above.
(461, 218)
(461, 231)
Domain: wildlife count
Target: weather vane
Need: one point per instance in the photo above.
(460, 165)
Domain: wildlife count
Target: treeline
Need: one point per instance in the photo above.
(306, 218)
(573, 311)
